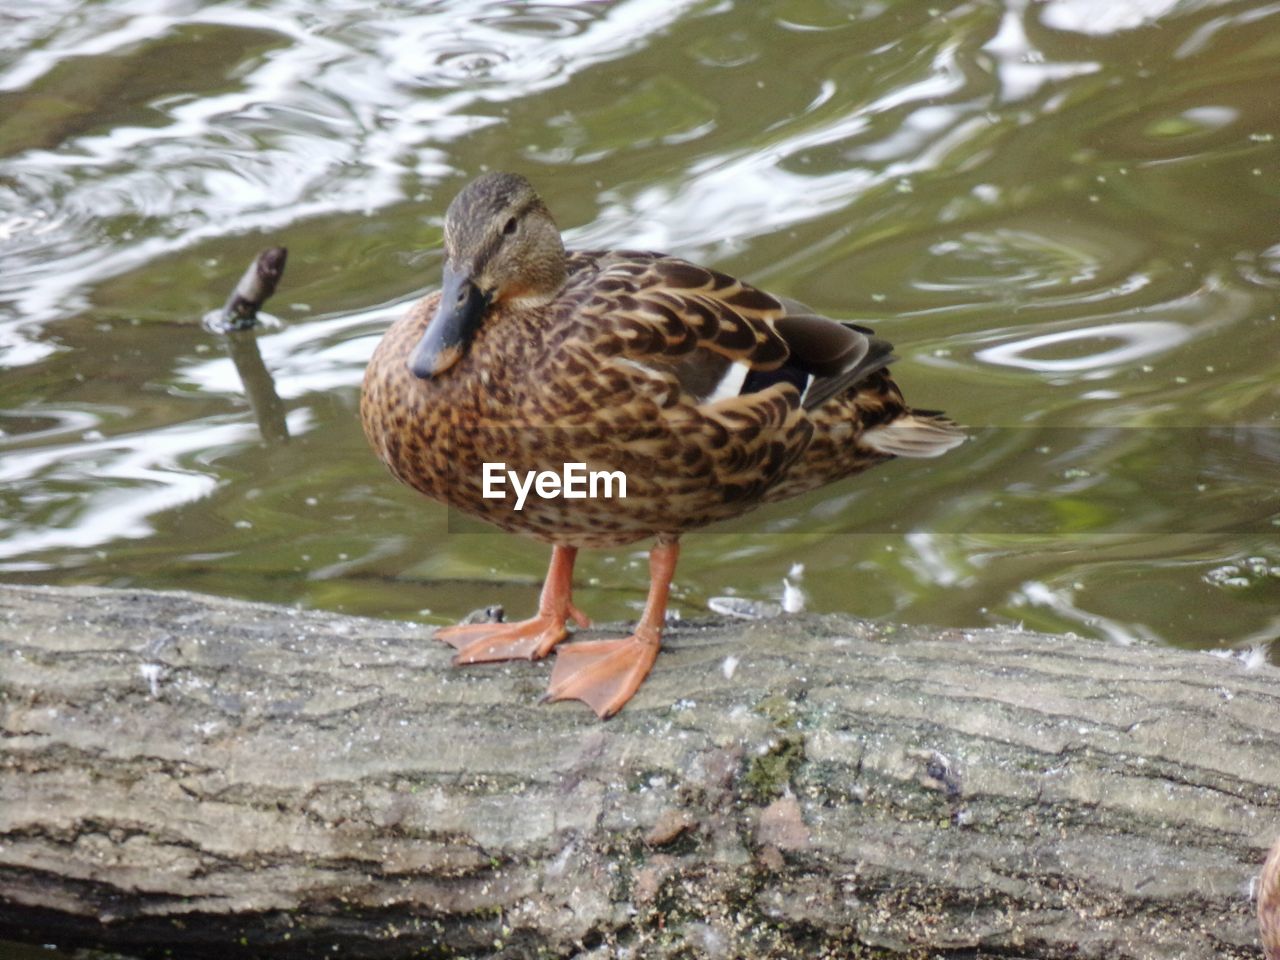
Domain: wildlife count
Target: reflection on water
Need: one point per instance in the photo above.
(1063, 213)
(1112, 346)
(69, 487)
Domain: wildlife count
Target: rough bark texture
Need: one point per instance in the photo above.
(224, 779)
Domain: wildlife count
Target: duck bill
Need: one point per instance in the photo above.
(462, 308)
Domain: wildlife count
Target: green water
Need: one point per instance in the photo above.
(1065, 214)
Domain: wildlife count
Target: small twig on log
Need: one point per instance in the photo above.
(1269, 904)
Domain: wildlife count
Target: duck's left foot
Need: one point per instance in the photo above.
(603, 674)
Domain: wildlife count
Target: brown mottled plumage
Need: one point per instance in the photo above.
(709, 395)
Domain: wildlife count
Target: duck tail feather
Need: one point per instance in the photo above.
(915, 434)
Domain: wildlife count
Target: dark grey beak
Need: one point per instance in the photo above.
(462, 308)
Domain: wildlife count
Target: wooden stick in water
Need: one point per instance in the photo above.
(254, 289)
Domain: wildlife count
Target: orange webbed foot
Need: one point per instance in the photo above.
(603, 674)
(529, 639)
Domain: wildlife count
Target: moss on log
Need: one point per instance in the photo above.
(216, 778)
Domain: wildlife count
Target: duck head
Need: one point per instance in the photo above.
(501, 248)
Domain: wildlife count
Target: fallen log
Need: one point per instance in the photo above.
(213, 778)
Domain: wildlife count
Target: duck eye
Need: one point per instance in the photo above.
(510, 227)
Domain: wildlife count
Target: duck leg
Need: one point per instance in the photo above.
(529, 639)
(604, 674)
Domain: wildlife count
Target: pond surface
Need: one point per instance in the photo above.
(1065, 214)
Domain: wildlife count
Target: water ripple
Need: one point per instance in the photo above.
(1107, 346)
(299, 114)
(1062, 212)
(87, 489)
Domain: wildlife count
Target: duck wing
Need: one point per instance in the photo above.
(716, 335)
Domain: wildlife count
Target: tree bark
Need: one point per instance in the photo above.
(217, 778)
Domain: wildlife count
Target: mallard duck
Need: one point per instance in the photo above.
(707, 395)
